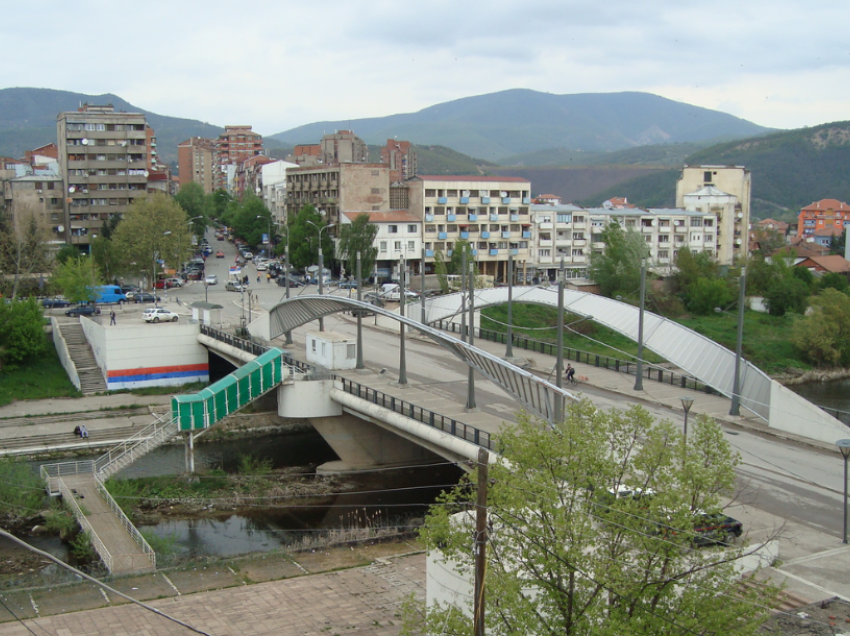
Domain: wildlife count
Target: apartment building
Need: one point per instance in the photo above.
(827, 216)
(570, 233)
(347, 187)
(401, 159)
(103, 161)
(492, 213)
(274, 188)
(707, 189)
(195, 159)
(399, 236)
(233, 146)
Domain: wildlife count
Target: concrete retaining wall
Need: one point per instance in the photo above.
(64, 354)
(792, 414)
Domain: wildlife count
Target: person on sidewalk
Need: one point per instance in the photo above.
(84, 432)
(112, 317)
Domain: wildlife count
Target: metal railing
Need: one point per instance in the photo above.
(147, 560)
(584, 357)
(53, 473)
(841, 416)
(234, 341)
(426, 416)
(94, 539)
(134, 447)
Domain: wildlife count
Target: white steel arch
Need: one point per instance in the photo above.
(534, 393)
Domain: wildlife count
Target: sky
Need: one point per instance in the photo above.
(280, 64)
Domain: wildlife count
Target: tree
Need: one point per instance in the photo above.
(692, 266)
(565, 557)
(837, 243)
(832, 280)
(219, 201)
(22, 335)
(786, 294)
(76, 278)
(245, 221)
(617, 268)
(823, 336)
(441, 270)
(706, 294)
(194, 201)
(358, 236)
(303, 239)
(23, 248)
(154, 228)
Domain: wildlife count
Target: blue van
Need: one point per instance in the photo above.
(109, 294)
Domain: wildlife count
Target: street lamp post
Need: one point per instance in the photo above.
(402, 358)
(286, 282)
(639, 368)
(736, 384)
(470, 382)
(844, 447)
(421, 287)
(321, 267)
(509, 338)
(359, 364)
(687, 403)
(559, 359)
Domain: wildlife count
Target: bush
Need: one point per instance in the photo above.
(21, 491)
(706, 294)
(22, 336)
(823, 337)
(786, 295)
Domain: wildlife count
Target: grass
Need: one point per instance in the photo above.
(37, 379)
(766, 341)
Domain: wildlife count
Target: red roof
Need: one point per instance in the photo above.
(828, 204)
(835, 263)
(470, 178)
(830, 230)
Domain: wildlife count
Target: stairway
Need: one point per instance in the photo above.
(91, 377)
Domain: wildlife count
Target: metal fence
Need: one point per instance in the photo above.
(841, 416)
(435, 420)
(584, 357)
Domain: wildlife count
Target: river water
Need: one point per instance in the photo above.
(394, 497)
(834, 395)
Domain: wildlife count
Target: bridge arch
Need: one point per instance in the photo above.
(534, 393)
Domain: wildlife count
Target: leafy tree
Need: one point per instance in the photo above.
(692, 266)
(76, 278)
(22, 335)
(786, 294)
(617, 268)
(769, 240)
(804, 274)
(193, 200)
(706, 294)
(250, 218)
(358, 236)
(303, 239)
(831, 280)
(761, 274)
(65, 253)
(219, 201)
(565, 558)
(153, 228)
(23, 248)
(441, 270)
(836, 245)
(823, 336)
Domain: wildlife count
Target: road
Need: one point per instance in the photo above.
(785, 487)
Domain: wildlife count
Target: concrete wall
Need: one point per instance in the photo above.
(64, 354)
(792, 414)
(139, 355)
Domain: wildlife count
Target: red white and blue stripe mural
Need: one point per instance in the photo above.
(157, 376)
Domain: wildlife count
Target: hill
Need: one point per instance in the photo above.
(651, 156)
(789, 170)
(512, 122)
(28, 120)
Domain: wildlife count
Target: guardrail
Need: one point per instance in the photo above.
(134, 562)
(141, 443)
(435, 420)
(95, 540)
(52, 473)
(254, 348)
(584, 357)
(841, 416)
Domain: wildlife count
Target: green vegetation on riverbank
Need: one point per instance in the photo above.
(767, 341)
(38, 378)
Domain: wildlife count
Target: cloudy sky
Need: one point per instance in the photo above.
(279, 64)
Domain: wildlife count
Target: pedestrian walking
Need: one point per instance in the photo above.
(112, 317)
(268, 277)
(258, 278)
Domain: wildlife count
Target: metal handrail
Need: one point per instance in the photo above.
(51, 472)
(153, 434)
(436, 420)
(125, 521)
(584, 357)
(95, 540)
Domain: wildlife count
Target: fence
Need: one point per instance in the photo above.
(584, 357)
(435, 420)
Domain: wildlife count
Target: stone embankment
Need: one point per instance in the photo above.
(798, 376)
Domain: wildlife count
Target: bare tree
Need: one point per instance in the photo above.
(23, 247)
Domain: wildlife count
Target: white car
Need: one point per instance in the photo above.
(261, 267)
(159, 314)
(211, 279)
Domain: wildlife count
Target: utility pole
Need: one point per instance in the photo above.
(639, 368)
(422, 286)
(359, 364)
(470, 381)
(480, 542)
(509, 340)
(286, 280)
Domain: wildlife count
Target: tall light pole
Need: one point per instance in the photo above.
(844, 447)
(639, 369)
(422, 287)
(321, 267)
(509, 345)
(470, 381)
(359, 364)
(559, 351)
(402, 358)
(687, 403)
(736, 384)
(286, 282)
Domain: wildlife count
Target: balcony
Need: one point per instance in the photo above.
(680, 228)
(545, 226)
(485, 199)
(429, 253)
(473, 217)
(506, 200)
(442, 236)
(579, 242)
(513, 251)
(494, 217)
(463, 235)
(494, 252)
(506, 235)
(526, 200)
(664, 228)
(464, 199)
(485, 234)
(526, 234)
(647, 229)
(442, 200)
(545, 242)
(514, 217)
(451, 217)
(429, 217)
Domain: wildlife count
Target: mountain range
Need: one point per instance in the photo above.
(499, 125)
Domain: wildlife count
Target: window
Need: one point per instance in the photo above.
(430, 193)
(663, 254)
(397, 246)
(578, 236)
(383, 246)
(565, 218)
(706, 176)
(544, 252)
(578, 251)
(393, 229)
(696, 222)
(411, 245)
(411, 229)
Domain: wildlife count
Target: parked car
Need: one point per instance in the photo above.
(145, 297)
(248, 256)
(159, 314)
(109, 294)
(219, 254)
(51, 303)
(716, 528)
(83, 310)
(348, 284)
(293, 282)
(233, 286)
(262, 267)
(211, 279)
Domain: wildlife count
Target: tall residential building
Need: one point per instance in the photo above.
(343, 147)
(706, 189)
(827, 216)
(195, 162)
(492, 213)
(103, 161)
(401, 160)
(234, 146)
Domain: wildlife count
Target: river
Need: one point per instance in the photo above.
(833, 395)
